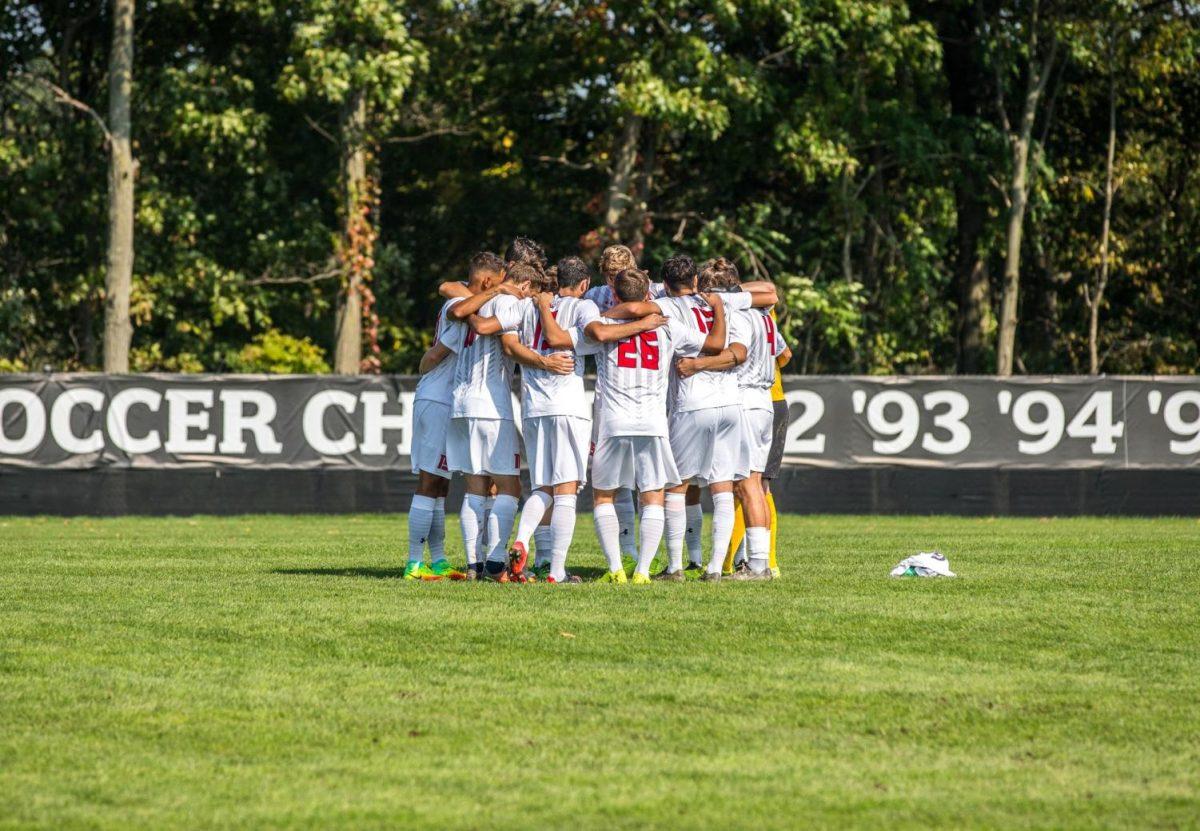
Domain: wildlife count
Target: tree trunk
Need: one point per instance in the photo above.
(1018, 198)
(347, 356)
(620, 184)
(118, 279)
(1097, 296)
(967, 83)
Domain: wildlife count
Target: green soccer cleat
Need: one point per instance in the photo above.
(441, 569)
(613, 577)
(414, 571)
(541, 572)
(639, 579)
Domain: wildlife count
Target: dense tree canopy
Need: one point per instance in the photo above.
(862, 154)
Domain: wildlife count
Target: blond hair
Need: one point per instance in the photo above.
(615, 259)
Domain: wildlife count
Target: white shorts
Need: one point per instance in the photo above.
(557, 448)
(707, 445)
(483, 446)
(429, 424)
(641, 462)
(758, 429)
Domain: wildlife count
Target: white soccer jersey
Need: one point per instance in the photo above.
(711, 388)
(756, 375)
(438, 384)
(482, 373)
(604, 297)
(632, 377)
(544, 393)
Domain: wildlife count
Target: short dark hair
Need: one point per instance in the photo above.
(485, 261)
(631, 284)
(678, 272)
(571, 272)
(524, 250)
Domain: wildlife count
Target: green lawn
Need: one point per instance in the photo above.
(274, 672)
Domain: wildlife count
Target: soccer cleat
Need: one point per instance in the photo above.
(474, 571)
(540, 572)
(498, 574)
(570, 579)
(640, 579)
(693, 571)
(670, 576)
(613, 577)
(749, 575)
(710, 577)
(517, 557)
(442, 569)
(414, 571)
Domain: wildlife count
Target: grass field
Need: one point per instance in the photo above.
(274, 672)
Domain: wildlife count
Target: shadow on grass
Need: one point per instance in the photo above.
(588, 574)
(375, 573)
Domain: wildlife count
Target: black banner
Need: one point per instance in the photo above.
(85, 421)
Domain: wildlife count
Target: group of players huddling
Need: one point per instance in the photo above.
(687, 396)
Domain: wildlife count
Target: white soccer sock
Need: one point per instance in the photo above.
(676, 521)
(722, 529)
(531, 515)
(562, 530)
(542, 545)
(437, 531)
(420, 520)
(651, 529)
(471, 519)
(485, 542)
(500, 525)
(759, 543)
(695, 525)
(626, 516)
(608, 530)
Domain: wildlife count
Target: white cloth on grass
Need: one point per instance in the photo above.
(924, 564)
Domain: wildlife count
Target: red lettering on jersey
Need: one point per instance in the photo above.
(641, 350)
(770, 324)
(470, 339)
(517, 460)
(441, 465)
(539, 340)
(704, 319)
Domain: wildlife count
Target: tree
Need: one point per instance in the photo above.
(358, 57)
(118, 280)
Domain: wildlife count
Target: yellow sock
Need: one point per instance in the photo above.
(739, 533)
(774, 529)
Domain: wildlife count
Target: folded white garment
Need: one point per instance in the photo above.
(924, 564)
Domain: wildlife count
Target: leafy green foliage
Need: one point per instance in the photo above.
(843, 149)
(275, 353)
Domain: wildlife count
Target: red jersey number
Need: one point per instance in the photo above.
(704, 319)
(639, 351)
(539, 340)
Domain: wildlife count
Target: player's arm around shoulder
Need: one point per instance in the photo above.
(609, 332)
(558, 363)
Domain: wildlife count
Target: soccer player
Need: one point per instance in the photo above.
(706, 421)
(481, 441)
(431, 413)
(613, 260)
(632, 451)
(556, 417)
(754, 377)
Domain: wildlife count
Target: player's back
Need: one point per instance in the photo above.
(704, 389)
(438, 383)
(604, 297)
(545, 393)
(482, 373)
(632, 377)
(756, 374)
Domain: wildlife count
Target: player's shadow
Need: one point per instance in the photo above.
(376, 573)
